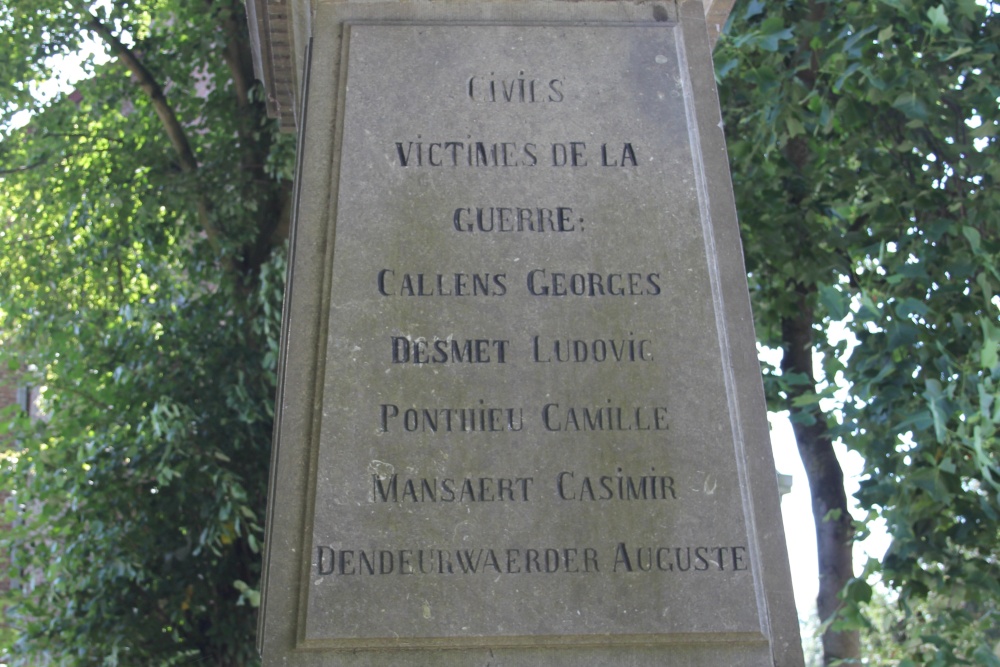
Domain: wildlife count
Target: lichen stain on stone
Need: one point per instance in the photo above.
(381, 469)
(710, 484)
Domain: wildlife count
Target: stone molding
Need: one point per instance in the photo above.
(281, 29)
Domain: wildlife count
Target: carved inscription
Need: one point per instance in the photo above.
(446, 153)
(622, 558)
(515, 219)
(449, 490)
(511, 309)
(498, 88)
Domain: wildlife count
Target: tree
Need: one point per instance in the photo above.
(142, 227)
(142, 224)
(862, 139)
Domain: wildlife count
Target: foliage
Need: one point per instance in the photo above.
(141, 275)
(909, 634)
(863, 141)
(812, 646)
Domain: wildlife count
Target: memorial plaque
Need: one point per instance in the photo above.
(527, 420)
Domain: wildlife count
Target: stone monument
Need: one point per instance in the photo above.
(520, 418)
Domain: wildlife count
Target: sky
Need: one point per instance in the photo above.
(67, 71)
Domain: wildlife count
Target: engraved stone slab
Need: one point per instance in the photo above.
(530, 428)
(523, 309)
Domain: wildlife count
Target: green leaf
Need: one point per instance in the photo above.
(900, 5)
(854, 67)
(833, 515)
(796, 379)
(931, 481)
(794, 126)
(959, 52)
(986, 130)
(805, 418)
(858, 35)
(868, 310)
(858, 590)
(806, 399)
(910, 306)
(937, 403)
(911, 105)
(772, 33)
(754, 8)
(983, 281)
(985, 657)
(974, 237)
(836, 302)
(721, 70)
(990, 354)
(939, 18)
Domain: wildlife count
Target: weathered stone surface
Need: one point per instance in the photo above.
(280, 30)
(520, 419)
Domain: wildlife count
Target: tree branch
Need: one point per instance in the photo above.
(23, 167)
(832, 519)
(174, 129)
(240, 68)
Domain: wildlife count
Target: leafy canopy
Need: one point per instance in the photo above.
(141, 230)
(863, 142)
(141, 275)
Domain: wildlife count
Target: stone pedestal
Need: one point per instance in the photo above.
(520, 419)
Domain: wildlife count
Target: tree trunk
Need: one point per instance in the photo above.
(834, 526)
